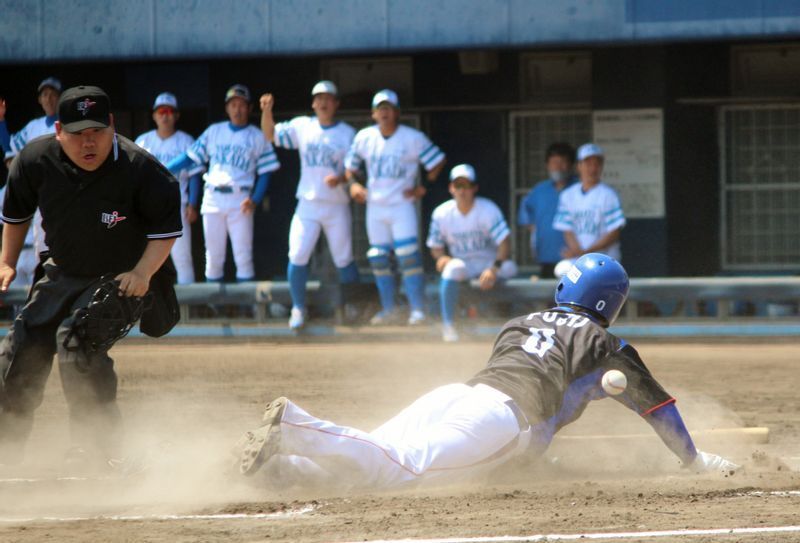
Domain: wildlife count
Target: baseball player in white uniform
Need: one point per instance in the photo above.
(49, 92)
(544, 369)
(589, 213)
(468, 238)
(239, 163)
(323, 205)
(167, 143)
(392, 153)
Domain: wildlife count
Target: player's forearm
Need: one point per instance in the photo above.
(260, 190)
(603, 243)
(572, 241)
(195, 188)
(155, 254)
(352, 176)
(268, 125)
(434, 173)
(668, 424)
(181, 162)
(13, 240)
(504, 250)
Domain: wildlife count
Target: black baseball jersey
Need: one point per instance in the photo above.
(95, 222)
(551, 364)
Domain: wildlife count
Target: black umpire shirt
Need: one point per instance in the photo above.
(551, 363)
(96, 222)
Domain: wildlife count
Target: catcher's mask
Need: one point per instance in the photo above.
(107, 318)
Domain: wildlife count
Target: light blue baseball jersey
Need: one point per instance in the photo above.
(165, 150)
(392, 163)
(322, 152)
(590, 215)
(235, 155)
(40, 126)
(472, 237)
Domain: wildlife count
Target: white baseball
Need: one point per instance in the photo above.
(614, 382)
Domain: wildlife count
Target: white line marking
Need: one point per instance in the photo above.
(610, 535)
(217, 516)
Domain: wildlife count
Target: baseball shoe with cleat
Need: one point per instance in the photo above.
(416, 318)
(385, 318)
(257, 446)
(449, 333)
(297, 320)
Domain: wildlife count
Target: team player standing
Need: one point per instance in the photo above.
(167, 143)
(392, 153)
(49, 93)
(239, 162)
(323, 204)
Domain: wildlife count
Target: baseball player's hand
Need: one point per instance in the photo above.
(333, 180)
(2, 109)
(709, 463)
(191, 214)
(415, 193)
(7, 275)
(488, 278)
(266, 102)
(132, 283)
(358, 192)
(248, 206)
(442, 261)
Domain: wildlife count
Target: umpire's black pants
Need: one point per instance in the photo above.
(26, 358)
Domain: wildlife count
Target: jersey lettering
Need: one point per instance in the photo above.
(571, 320)
(386, 166)
(234, 155)
(540, 342)
(320, 155)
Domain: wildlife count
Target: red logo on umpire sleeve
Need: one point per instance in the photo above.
(111, 219)
(85, 105)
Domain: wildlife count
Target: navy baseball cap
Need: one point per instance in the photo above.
(238, 91)
(84, 107)
(51, 82)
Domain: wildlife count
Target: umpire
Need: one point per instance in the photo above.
(109, 209)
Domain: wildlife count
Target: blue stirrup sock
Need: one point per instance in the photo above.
(448, 294)
(348, 274)
(298, 275)
(415, 290)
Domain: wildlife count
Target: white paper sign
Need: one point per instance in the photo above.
(633, 142)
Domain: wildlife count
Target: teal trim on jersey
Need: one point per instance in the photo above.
(329, 126)
(50, 120)
(236, 128)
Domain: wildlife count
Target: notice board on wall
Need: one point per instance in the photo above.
(633, 143)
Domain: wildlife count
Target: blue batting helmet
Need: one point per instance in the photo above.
(595, 282)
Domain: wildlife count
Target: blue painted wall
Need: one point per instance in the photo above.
(53, 30)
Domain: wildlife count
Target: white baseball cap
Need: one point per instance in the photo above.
(463, 170)
(166, 99)
(589, 149)
(385, 95)
(325, 87)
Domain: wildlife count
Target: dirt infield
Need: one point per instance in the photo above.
(187, 404)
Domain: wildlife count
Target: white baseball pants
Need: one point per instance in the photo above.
(312, 217)
(389, 223)
(217, 226)
(452, 433)
(182, 253)
(459, 269)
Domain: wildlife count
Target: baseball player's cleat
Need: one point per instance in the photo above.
(449, 333)
(416, 318)
(257, 446)
(297, 319)
(385, 318)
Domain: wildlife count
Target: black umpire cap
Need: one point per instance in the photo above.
(84, 107)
